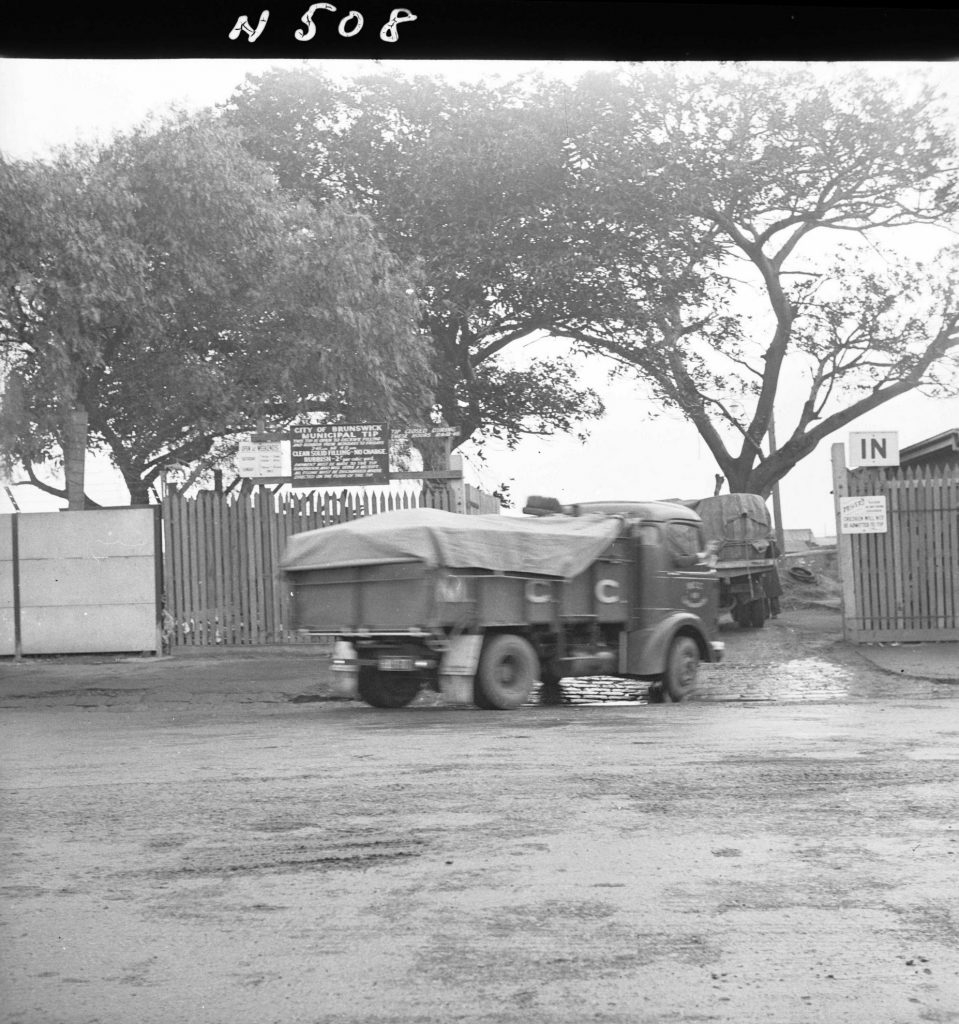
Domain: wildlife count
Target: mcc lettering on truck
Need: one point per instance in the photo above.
(484, 608)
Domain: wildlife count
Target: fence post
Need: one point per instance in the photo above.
(457, 486)
(840, 490)
(15, 571)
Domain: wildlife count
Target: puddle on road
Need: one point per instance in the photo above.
(797, 679)
(789, 681)
(803, 667)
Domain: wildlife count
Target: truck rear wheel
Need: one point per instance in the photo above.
(387, 689)
(750, 614)
(681, 678)
(507, 673)
(756, 613)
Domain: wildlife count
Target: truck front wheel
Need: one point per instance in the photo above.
(387, 689)
(508, 669)
(681, 677)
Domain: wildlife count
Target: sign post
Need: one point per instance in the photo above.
(843, 540)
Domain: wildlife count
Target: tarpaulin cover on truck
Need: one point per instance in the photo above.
(557, 546)
(738, 521)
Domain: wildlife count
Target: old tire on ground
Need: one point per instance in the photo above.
(681, 678)
(387, 689)
(508, 669)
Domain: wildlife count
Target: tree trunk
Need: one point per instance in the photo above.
(739, 478)
(138, 487)
(74, 457)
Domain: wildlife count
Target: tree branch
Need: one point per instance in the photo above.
(56, 492)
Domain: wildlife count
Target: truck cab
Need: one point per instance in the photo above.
(673, 580)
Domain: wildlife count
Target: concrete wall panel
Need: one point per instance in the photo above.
(88, 582)
(106, 533)
(85, 581)
(97, 629)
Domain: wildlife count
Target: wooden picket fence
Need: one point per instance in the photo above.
(221, 553)
(905, 583)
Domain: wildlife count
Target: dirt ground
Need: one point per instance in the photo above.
(199, 839)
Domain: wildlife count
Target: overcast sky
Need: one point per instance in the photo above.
(631, 454)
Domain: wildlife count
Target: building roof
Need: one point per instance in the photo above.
(939, 444)
(798, 540)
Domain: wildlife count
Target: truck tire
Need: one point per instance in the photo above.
(387, 689)
(508, 669)
(681, 678)
(756, 613)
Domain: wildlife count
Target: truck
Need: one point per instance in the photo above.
(482, 609)
(740, 529)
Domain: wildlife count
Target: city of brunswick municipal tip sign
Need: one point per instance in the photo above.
(340, 454)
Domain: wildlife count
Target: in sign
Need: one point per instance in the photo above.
(873, 448)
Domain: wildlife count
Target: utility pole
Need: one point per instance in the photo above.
(777, 507)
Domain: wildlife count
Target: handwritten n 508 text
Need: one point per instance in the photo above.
(349, 26)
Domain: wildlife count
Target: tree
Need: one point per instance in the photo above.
(167, 289)
(744, 300)
(682, 221)
(473, 183)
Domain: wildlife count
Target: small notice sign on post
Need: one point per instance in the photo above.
(863, 514)
(260, 458)
(340, 454)
(402, 434)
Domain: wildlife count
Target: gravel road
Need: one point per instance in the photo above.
(195, 840)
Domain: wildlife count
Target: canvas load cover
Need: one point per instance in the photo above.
(736, 520)
(557, 546)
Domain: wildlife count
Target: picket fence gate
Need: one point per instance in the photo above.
(221, 552)
(903, 585)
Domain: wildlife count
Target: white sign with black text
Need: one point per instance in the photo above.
(863, 514)
(260, 458)
(873, 448)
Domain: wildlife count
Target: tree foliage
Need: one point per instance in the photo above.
(714, 229)
(471, 181)
(170, 289)
(769, 190)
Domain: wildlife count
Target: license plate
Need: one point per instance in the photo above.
(396, 664)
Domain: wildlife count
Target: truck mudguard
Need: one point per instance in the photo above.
(654, 645)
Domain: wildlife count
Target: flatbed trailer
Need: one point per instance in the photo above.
(743, 589)
(740, 528)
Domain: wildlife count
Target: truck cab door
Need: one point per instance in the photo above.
(688, 581)
(668, 574)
